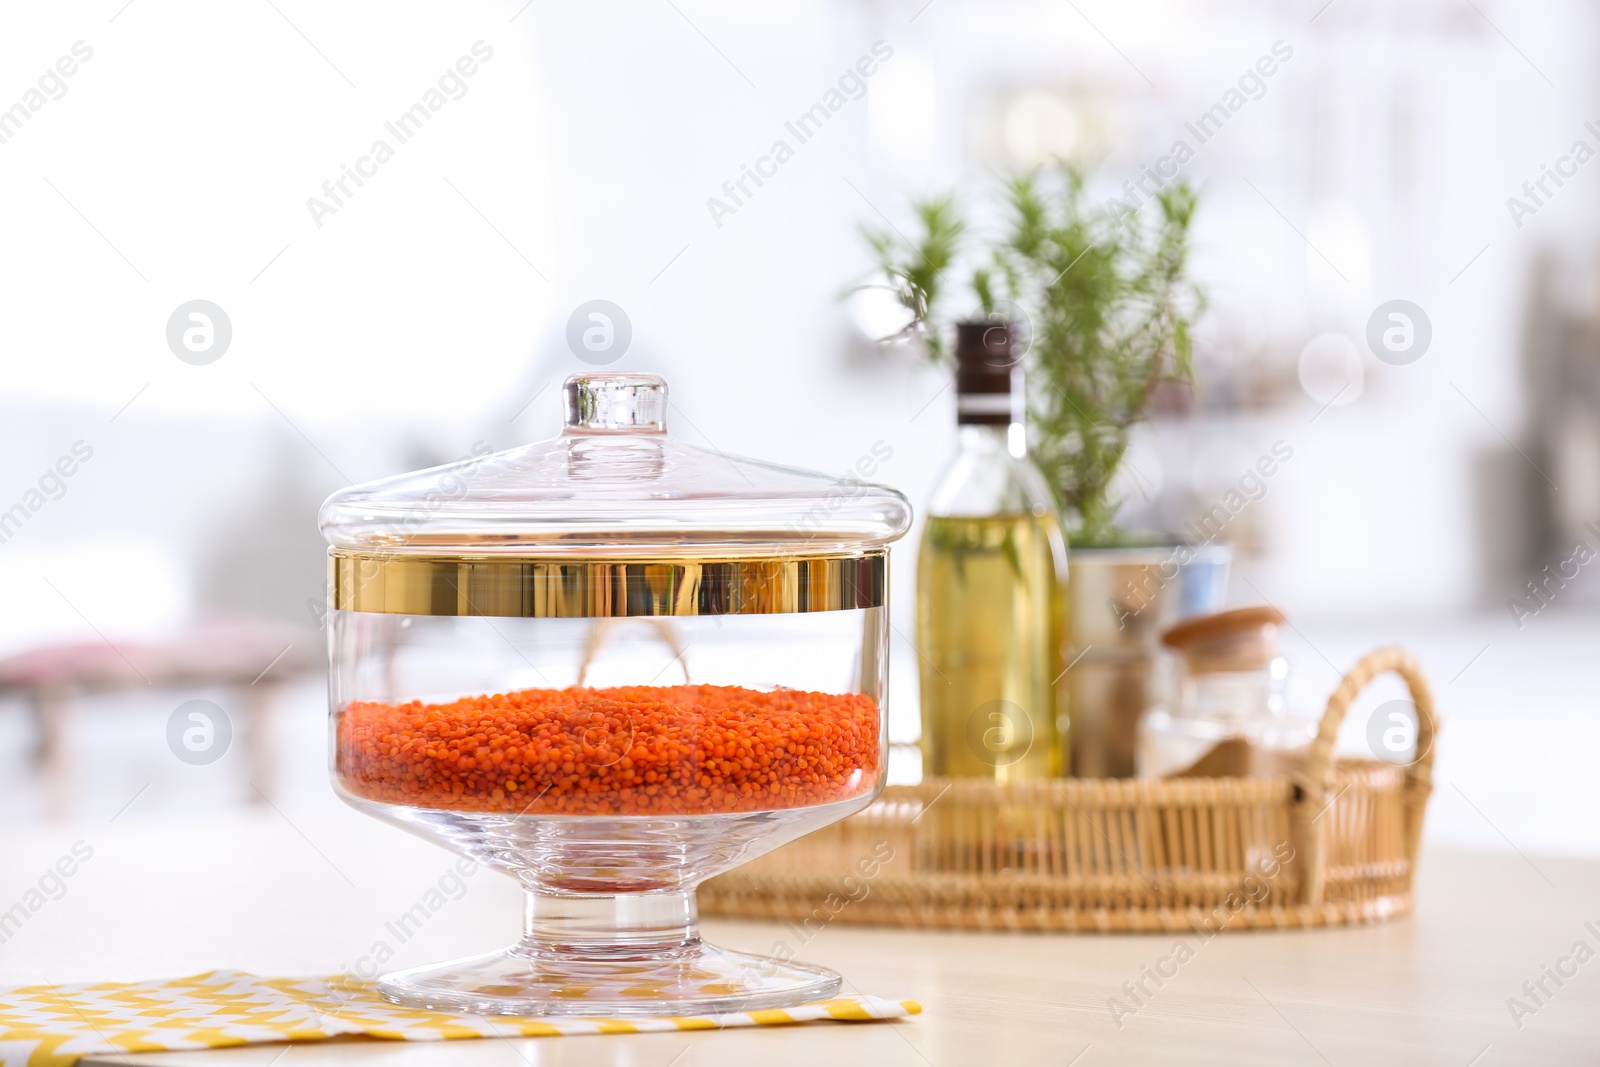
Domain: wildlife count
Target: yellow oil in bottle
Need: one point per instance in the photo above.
(988, 600)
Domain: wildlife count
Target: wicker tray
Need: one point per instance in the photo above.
(1335, 844)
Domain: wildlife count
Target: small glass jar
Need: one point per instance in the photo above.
(1228, 716)
(610, 665)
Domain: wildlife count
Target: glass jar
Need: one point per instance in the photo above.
(610, 665)
(1228, 716)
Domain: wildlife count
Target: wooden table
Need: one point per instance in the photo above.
(307, 892)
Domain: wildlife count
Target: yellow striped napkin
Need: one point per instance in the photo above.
(55, 1026)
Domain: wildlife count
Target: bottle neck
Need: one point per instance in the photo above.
(1011, 438)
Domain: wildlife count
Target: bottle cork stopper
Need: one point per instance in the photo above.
(988, 374)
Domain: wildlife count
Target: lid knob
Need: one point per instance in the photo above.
(615, 403)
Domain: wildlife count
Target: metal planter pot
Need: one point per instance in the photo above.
(1119, 600)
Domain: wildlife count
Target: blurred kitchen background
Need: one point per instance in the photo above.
(425, 309)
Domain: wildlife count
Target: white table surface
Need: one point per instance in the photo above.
(306, 893)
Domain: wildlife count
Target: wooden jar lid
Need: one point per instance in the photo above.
(1241, 639)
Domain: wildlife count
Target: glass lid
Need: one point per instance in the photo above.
(611, 494)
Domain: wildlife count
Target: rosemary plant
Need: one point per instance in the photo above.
(1108, 304)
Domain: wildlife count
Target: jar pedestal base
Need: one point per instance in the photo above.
(633, 954)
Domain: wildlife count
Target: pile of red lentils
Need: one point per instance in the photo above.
(630, 750)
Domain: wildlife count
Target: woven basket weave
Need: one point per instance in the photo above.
(1335, 844)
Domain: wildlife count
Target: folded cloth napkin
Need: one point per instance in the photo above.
(55, 1026)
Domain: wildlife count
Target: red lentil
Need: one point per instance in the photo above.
(630, 750)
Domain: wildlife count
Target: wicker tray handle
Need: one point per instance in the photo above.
(1316, 783)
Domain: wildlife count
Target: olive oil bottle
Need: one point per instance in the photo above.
(991, 578)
